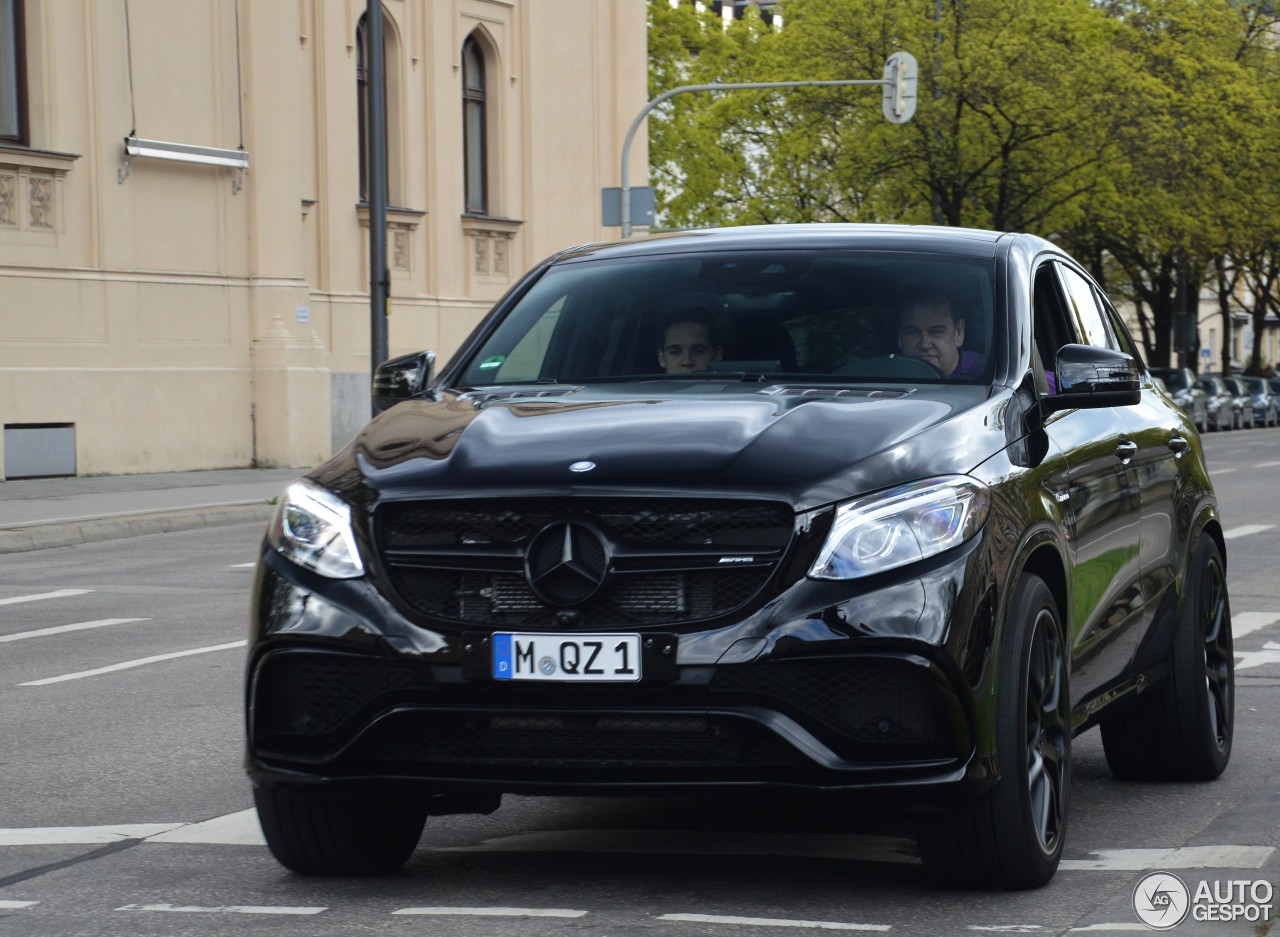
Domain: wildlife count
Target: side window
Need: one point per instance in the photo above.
(1053, 327)
(1085, 309)
(1124, 340)
(13, 104)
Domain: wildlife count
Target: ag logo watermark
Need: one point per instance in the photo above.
(1162, 900)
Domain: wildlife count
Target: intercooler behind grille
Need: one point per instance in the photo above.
(669, 560)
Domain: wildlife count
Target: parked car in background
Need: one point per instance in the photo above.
(1266, 402)
(1187, 393)
(1218, 401)
(1241, 402)
(791, 508)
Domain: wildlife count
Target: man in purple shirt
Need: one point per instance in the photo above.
(928, 330)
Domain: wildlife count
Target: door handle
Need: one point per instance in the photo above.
(1125, 451)
(1179, 445)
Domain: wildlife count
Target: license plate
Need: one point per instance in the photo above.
(580, 658)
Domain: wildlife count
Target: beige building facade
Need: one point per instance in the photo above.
(165, 308)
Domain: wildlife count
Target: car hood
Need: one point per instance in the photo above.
(805, 450)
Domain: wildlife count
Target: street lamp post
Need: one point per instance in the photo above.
(379, 276)
(899, 82)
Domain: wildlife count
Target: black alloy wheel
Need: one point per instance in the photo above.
(1181, 729)
(1012, 835)
(1048, 732)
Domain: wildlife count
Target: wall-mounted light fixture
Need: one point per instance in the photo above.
(187, 153)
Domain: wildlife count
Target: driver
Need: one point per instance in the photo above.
(929, 330)
(687, 340)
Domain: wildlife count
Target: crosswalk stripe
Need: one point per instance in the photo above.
(492, 912)
(223, 909)
(1245, 530)
(63, 629)
(60, 594)
(1243, 623)
(1183, 857)
(133, 663)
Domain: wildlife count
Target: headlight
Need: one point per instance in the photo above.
(312, 527)
(901, 526)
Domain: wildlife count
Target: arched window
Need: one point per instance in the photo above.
(364, 101)
(13, 91)
(474, 144)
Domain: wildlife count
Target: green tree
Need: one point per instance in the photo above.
(1193, 140)
(1142, 135)
(1008, 89)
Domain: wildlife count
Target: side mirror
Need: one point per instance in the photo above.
(1090, 377)
(401, 378)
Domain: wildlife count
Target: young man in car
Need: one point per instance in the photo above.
(929, 330)
(688, 342)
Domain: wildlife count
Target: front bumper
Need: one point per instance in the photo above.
(344, 693)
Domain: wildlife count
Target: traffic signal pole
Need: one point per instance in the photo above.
(899, 82)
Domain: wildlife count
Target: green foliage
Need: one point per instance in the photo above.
(1141, 134)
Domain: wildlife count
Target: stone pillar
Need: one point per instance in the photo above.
(290, 362)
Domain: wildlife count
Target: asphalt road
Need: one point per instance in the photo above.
(124, 809)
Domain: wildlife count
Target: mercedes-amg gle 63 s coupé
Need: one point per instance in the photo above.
(885, 514)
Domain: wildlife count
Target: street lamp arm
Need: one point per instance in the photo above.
(683, 89)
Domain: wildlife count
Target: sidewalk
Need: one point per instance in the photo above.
(51, 512)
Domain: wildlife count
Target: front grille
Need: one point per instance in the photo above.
(669, 561)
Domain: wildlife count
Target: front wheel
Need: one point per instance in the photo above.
(316, 835)
(1181, 728)
(1012, 835)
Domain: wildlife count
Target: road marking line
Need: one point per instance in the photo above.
(1216, 472)
(1246, 530)
(769, 922)
(17, 904)
(82, 835)
(495, 912)
(1185, 857)
(1006, 928)
(1100, 927)
(60, 594)
(1243, 623)
(243, 565)
(1267, 465)
(63, 629)
(1247, 660)
(133, 663)
(225, 909)
(232, 829)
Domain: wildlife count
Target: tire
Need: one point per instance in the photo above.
(1012, 835)
(325, 836)
(1181, 729)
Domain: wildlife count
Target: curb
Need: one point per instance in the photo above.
(43, 536)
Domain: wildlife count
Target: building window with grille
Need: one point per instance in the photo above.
(473, 129)
(13, 104)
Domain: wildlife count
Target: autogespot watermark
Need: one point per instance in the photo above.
(1162, 900)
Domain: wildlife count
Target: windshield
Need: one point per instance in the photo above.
(805, 315)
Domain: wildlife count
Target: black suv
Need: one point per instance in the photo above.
(892, 512)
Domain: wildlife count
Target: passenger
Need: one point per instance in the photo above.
(687, 341)
(929, 330)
